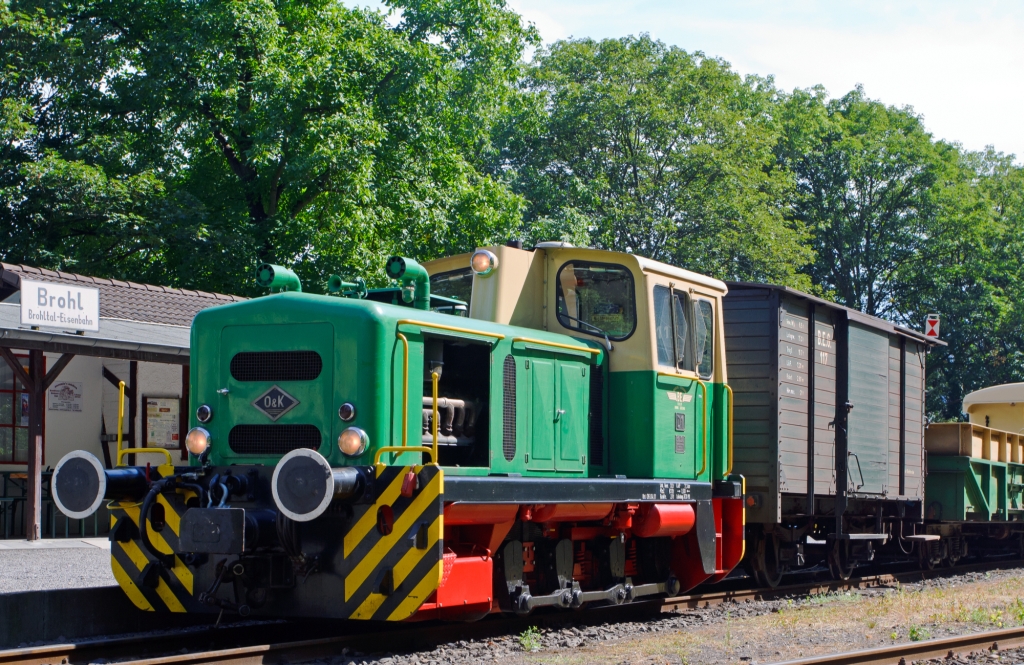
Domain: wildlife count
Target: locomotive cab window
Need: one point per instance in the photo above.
(704, 329)
(671, 328)
(453, 284)
(596, 299)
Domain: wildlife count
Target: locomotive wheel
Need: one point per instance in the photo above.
(839, 563)
(766, 568)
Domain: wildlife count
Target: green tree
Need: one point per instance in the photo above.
(865, 177)
(646, 148)
(970, 274)
(308, 133)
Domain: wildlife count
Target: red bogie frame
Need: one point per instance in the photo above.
(473, 533)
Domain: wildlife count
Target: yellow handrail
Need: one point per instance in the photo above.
(121, 452)
(557, 345)
(401, 449)
(704, 414)
(704, 425)
(143, 451)
(435, 377)
(729, 469)
(438, 326)
(120, 419)
(405, 391)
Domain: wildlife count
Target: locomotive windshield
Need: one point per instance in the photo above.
(453, 284)
(596, 299)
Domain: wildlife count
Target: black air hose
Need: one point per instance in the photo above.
(147, 503)
(195, 487)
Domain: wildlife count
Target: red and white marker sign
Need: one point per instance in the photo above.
(931, 325)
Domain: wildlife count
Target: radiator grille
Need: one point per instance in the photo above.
(276, 366)
(272, 439)
(597, 416)
(508, 382)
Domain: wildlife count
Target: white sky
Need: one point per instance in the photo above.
(959, 64)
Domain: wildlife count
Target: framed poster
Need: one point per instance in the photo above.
(162, 422)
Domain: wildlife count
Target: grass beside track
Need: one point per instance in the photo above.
(824, 623)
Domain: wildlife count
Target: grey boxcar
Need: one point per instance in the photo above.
(822, 393)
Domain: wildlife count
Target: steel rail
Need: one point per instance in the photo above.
(946, 647)
(166, 648)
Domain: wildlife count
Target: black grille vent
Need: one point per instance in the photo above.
(276, 366)
(272, 439)
(597, 416)
(508, 383)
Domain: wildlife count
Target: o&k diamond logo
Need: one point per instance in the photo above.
(275, 403)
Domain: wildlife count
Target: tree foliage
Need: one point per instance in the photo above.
(182, 143)
(640, 147)
(865, 175)
(303, 132)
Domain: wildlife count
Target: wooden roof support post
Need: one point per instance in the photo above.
(33, 506)
(35, 382)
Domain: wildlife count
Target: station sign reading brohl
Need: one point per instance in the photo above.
(60, 306)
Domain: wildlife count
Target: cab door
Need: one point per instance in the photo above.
(677, 392)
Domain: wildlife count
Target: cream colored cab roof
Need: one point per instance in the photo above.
(657, 267)
(1008, 393)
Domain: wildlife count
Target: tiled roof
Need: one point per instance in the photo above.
(129, 300)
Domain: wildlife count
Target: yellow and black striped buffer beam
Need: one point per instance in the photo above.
(391, 556)
(149, 585)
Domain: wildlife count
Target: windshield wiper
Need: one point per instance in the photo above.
(599, 331)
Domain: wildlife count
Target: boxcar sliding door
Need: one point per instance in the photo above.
(868, 447)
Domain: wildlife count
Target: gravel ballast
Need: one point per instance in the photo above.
(49, 567)
(758, 632)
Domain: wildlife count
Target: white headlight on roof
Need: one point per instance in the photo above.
(484, 262)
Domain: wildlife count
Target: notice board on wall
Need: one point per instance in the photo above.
(65, 396)
(162, 422)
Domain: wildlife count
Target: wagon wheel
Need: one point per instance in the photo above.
(924, 557)
(839, 563)
(766, 567)
(953, 554)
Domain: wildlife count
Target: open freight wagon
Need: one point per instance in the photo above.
(829, 429)
(974, 490)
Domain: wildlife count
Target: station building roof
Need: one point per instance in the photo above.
(137, 321)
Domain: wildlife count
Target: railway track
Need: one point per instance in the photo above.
(901, 654)
(283, 642)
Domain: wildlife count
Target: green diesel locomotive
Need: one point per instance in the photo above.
(379, 454)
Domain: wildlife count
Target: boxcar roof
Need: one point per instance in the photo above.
(853, 314)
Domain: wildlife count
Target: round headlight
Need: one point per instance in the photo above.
(347, 411)
(484, 262)
(204, 413)
(353, 441)
(197, 441)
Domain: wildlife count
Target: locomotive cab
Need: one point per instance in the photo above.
(663, 334)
